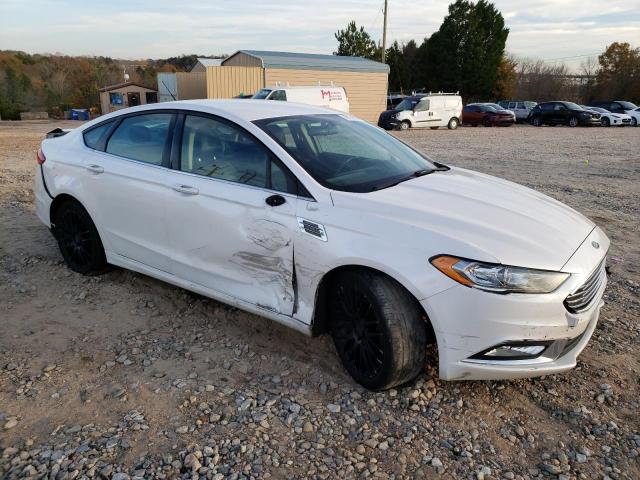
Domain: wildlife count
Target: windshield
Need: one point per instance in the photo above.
(572, 106)
(628, 105)
(407, 104)
(346, 154)
(262, 94)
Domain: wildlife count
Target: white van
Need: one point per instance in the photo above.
(424, 110)
(328, 97)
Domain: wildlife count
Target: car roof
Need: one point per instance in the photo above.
(245, 109)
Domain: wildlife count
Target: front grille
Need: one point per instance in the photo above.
(581, 299)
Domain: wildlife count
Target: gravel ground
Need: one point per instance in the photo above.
(121, 376)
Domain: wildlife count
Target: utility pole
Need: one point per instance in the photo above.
(384, 33)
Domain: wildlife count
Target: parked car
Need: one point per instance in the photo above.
(635, 117)
(608, 119)
(328, 97)
(520, 108)
(562, 113)
(500, 108)
(425, 110)
(326, 224)
(482, 114)
(615, 106)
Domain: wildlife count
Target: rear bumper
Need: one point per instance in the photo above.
(42, 199)
(469, 321)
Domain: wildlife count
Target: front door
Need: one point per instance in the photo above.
(128, 190)
(422, 115)
(230, 230)
(133, 99)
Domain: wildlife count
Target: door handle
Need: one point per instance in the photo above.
(95, 168)
(187, 189)
(275, 200)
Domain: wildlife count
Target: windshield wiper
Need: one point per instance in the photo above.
(417, 173)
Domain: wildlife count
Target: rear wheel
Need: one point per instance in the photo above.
(453, 124)
(377, 328)
(78, 239)
(434, 128)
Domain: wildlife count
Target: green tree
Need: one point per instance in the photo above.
(356, 42)
(395, 60)
(466, 51)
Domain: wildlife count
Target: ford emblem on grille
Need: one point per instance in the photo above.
(595, 244)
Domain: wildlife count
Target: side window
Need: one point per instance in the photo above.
(93, 136)
(213, 148)
(116, 98)
(422, 106)
(279, 95)
(141, 137)
(521, 106)
(615, 107)
(513, 105)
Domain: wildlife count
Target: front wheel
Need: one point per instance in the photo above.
(605, 122)
(573, 122)
(378, 329)
(453, 124)
(537, 122)
(78, 239)
(404, 125)
(634, 122)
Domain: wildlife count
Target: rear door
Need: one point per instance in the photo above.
(126, 185)
(231, 214)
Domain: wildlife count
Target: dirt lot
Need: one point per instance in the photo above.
(121, 376)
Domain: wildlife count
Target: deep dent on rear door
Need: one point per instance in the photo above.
(271, 262)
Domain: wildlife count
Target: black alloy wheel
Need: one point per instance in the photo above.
(378, 329)
(78, 239)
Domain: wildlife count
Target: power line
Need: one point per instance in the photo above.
(570, 57)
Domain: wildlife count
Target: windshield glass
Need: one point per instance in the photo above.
(628, 105)
(572, 106)
(346, 154)
(262, 94)
(407, 104)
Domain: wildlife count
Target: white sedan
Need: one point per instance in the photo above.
(326, 224)
(609, 119)
(635, 116)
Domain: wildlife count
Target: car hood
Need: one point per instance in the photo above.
(473, 213)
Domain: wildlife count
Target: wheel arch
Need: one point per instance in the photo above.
(320, 319)
(58, 201)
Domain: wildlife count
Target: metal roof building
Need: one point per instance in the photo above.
(202, 64)
(304, 61)
(364, 80)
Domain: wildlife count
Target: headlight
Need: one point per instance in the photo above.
(494, 277)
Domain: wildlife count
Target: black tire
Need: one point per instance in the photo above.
(78, 239)
(634, 122)
(605, 122)
(404, 125)
(536, 122)
(453, 123)
(487, 123)
(434, 128)
(573, 122)
(377, 328)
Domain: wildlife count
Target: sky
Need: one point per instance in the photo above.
(554, 30)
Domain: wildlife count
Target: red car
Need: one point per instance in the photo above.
(477, 114)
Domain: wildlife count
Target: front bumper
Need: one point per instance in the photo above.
(468, 321)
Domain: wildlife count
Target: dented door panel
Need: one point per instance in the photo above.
(227, 238)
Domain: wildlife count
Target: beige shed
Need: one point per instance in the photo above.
(246, 71)
(123, 95)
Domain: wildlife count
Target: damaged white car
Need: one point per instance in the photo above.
(326, 224)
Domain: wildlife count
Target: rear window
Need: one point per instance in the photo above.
(93, 136)
(141, 137)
